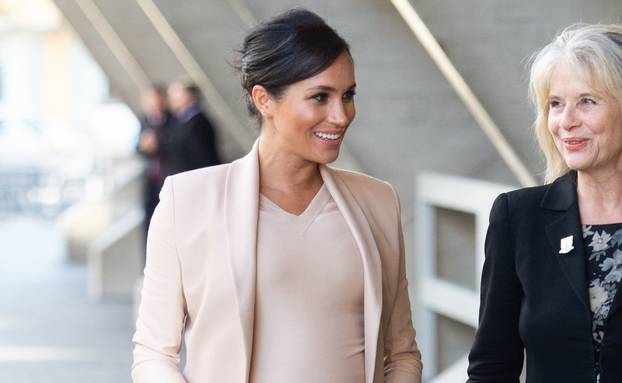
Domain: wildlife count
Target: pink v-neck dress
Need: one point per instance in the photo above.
(309, 304)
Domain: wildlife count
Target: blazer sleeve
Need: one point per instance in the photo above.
(497, 353)
(402, 362)
(161, 315)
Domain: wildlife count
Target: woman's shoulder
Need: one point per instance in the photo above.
(525, 201)
(206, 178)
(527, 195)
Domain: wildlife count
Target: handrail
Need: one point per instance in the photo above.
(433, 293)
(444, 64)
(114, 43)
(81, 222)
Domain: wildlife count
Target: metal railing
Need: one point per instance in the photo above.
(431, 294)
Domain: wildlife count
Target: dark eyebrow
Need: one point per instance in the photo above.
(330, 88)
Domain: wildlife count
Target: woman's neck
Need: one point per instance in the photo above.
(278, 166)
(600, 197)
(287, 179)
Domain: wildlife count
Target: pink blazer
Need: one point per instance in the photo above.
(200, 276)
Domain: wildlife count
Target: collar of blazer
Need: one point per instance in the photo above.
(241, 217)
(561, 196)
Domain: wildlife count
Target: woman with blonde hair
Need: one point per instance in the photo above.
(551, 280)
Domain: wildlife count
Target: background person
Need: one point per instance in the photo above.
(551, 279)
(155, 126)
(192, 142)
(276, 268)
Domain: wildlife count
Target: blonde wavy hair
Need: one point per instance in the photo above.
(595, 52)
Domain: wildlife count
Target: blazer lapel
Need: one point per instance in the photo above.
(562, 196)
(372, 270)
(241, 215)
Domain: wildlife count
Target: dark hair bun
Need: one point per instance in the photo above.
(291, 47)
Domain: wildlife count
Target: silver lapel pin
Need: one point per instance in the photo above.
(565, 245)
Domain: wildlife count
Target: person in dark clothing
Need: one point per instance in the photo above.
(551, 291)
(155, 126)
(192, 142)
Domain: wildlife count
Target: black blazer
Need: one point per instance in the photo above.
(535, 300)
(191, 145)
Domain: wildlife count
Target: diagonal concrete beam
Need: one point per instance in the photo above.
(114, 43)
(462, 89)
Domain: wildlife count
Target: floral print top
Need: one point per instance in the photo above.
(603, 245)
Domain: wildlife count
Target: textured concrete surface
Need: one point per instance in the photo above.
(49, 330)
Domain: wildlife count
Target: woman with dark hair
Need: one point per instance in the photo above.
(276, 268)
(551, 280)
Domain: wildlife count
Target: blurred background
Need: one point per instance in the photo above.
(442, 113)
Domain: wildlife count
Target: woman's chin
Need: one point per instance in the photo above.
(327, 158)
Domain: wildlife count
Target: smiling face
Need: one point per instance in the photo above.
(585, 122)
(310, 119)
